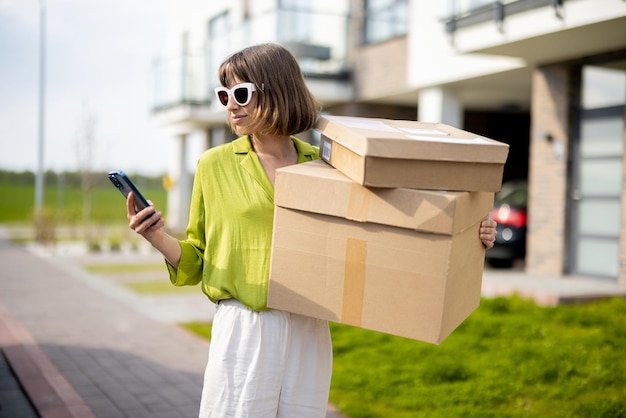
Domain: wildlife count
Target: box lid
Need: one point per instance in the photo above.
(410, 140)
(318, 187)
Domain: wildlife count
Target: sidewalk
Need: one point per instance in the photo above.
(82, 346)
(120, 362)
(548, 291)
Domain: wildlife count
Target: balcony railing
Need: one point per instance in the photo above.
(318, 40)
(180, 80)
(465, 13)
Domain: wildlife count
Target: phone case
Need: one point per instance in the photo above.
(125, 186)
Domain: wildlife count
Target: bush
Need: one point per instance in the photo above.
(45, 226)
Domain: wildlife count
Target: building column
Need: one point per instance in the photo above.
(439, 104)
(216, 135)
(547, 173)
(179, 194)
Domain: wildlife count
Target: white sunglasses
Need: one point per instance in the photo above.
(242, 93)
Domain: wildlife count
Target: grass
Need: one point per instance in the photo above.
(510, 358)
(160, 287)
(110, 268)
(62, 213)
(108, 204)
(202, 329)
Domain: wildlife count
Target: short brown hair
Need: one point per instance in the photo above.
(285, 106)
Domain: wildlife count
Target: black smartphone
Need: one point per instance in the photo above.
(124, 185)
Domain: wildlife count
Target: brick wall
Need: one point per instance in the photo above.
(546, 249)
(380, 69)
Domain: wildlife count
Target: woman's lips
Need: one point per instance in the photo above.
(237, 118)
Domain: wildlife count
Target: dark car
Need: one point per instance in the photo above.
(510, 213)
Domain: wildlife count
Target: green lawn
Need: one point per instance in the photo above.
(201, 329)
(510, 358)
(160, 287)
(65, 206)
(123, 268)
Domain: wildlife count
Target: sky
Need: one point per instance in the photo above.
(99, 65)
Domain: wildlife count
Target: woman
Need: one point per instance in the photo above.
(262, 363)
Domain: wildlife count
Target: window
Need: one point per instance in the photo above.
(598, 176)
(218, 46)
(218, 26)
(384, 19)
(461, 7)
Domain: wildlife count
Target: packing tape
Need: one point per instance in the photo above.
(358, 205)
(354, 281)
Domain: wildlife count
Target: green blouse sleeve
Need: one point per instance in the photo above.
(190, 266)
(189, 271)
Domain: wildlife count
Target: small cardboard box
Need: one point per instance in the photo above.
(401, 261)
(419, 155)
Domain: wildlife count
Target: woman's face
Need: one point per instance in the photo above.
(240, 117)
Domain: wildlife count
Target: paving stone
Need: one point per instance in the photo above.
(122, 354)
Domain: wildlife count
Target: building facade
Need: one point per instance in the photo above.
(547, 77)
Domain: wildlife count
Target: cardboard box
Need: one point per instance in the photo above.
(401, 261)
(400, 153)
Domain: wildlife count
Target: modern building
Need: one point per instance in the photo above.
(546, 76)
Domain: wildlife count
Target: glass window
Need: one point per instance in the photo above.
(218, 26)
(325, 6)
(460, 7)
(217, 47)
(295, 4)
(602, 137)
(256, 7)
(601, 177)
(385, 19)
(295, 26)
(599, 217)
(598, 209)
(597, 256)
(604, 86)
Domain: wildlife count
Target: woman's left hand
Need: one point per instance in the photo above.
(487, 233)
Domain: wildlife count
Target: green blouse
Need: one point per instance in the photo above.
(229, 236)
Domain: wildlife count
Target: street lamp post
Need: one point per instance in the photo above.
(39, 183)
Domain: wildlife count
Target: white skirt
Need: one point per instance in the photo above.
(268, 364)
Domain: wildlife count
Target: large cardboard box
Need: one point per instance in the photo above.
(401, 153)
(401, 261)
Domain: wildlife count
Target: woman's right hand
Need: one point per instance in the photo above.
(145, 222)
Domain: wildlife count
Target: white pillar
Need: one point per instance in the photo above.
(438, 104)
(179, 194)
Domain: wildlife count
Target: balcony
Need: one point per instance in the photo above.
(184, 85)
(182, 98)
(180, 81)
(539, 31)
(465, 13)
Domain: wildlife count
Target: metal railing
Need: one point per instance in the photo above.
(180, 80)
(465, 13)
(318, 40)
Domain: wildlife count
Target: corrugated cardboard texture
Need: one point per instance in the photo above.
(379, 277)
(394, 153)
(318, 187)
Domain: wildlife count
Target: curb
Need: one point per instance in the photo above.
(50, 393)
